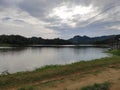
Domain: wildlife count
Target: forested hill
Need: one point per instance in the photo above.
(17, 39)
(94, 40)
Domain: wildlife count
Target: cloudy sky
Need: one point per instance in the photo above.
(59, 18)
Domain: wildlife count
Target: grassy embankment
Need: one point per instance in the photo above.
(55, 71)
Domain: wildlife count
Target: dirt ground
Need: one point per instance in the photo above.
(77, 81)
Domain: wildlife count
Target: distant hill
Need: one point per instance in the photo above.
(20, 40)
(95, 40)
(80, 39)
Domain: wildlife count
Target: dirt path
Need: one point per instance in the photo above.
(75, 82)
(78, 80)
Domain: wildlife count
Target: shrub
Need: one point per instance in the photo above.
(103, 86)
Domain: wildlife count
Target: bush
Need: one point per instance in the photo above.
(27, 88)
(115, 52)
(103, 86)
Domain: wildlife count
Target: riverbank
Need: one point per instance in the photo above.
(57, 74)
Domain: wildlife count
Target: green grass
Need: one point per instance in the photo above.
(115, 52)
(52, 71)
(96, 72)
(28, 88)
(102, 86)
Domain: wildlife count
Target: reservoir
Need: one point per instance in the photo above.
(17, 59)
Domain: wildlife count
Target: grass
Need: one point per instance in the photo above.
(115, 52)
(54, 71)
(96, 72)
(5, 45)
(102, 86)
(28, 88)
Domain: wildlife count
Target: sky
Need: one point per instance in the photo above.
(59, 18)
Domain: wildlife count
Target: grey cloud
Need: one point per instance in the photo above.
(41, 8)
(38, 8)
(107, 14)
(9, 3)
(6, 19)
(19, 21)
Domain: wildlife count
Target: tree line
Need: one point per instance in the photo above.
(17, 39)
(21, 40)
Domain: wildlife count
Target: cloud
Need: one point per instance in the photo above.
(114, 27)
(38, 8)
(17, 21)
(59, 18)
(9, 3)
(28, 31)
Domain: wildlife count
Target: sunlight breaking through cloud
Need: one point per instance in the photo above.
(63, 18)
(72, 15)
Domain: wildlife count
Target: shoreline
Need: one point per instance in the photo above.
(47, 73)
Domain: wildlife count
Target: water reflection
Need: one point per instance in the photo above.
(12, 50)
(29, 58)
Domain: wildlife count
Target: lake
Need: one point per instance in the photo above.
(29, 58)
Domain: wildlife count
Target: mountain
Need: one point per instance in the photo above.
(20, 40)
(80, 39)
(95, 40)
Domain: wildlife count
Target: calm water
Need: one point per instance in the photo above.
(30, 58)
